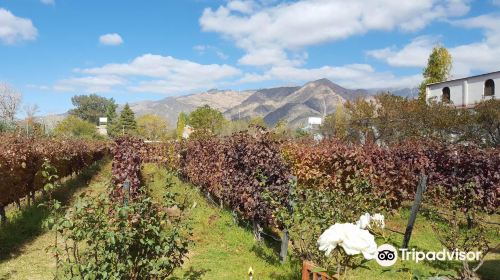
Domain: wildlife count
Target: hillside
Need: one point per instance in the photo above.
(171, 107)
(295, 104)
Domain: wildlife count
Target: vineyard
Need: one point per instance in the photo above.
(298, 186)
(240, 170)
(21, 161)
(290, 190)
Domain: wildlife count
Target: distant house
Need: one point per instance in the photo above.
(465, 92)
(186, 132)
(102, 128)
(313, 126)
(313, 123)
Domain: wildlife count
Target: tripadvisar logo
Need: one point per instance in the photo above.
(387, 255)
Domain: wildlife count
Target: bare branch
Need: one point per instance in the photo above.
(10, 99)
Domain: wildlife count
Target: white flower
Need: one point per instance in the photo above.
(379, 220)
(351, 238)
(364, 221)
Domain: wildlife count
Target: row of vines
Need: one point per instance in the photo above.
(393, 172)
(304, 187)
(21, 160)
(245, 172)
(243, 169)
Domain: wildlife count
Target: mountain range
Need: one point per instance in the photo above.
(294, 104)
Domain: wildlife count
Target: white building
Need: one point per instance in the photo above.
(102, 127)
(465, 92)
(186, 131)
(313, 123)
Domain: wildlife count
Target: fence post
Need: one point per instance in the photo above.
(126, 191)
(290, 205)
(3, 217)
(256, 230)
(284, 246)
(422, 186)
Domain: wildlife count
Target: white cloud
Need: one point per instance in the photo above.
(351, 76)
(267, 56)
(245, 7)
(157, 66)
(15, 29)
(495, 2)
(39, 87)
(414, 54)
(482, 56)
(48, 2)
(202, 49)
(289, 26)
(151, 73)
(111, 39)
(101, 83)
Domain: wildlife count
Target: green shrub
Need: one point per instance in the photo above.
(315, 210)
(102, 240)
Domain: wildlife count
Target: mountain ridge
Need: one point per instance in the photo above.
(292, 103)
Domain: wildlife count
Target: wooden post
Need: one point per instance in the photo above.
(290, 203)
(3, 217)
(256, 230)
(32, 195)
(284, 246)
(422, 186)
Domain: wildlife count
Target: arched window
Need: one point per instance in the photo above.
(446, 95)
(489, 88)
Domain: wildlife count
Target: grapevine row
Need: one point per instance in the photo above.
(21, 160)
(394, 171)
(126, 167)
(242, 169)
(246, 172)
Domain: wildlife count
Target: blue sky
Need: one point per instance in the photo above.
(134, 50)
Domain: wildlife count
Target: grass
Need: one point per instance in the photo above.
(222, 249)
(23, 240)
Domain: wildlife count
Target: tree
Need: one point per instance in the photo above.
(282, 130)
(10, 99)
(181, 123)
(257, 121)
(91, 107)
(336, 124)
(488, 121)
(152, 127)
(113, 121)
(73, 126)
(206, 120)
(127, 120)
(437, 70)
(361, 118)
(30, 123)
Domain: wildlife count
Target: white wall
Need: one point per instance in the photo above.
(465, 92)
(456, 92)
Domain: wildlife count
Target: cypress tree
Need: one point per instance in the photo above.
(113, 121)
(127, 120)
(181, 123)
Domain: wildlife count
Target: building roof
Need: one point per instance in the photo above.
(464, 78)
